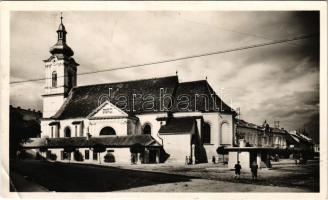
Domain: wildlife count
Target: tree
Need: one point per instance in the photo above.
(20, 131)
(78, 155)
(43, 149)
(222, 151)
(135, 149)
(69, 149)
(99, 148)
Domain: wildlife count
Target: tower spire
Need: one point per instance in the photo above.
(61, 46)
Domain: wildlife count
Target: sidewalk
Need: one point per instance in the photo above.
(20, 184)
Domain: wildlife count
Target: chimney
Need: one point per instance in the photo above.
(276, 124)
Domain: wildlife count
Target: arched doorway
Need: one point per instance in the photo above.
(146, 129)
(107, 131)
(67, 132)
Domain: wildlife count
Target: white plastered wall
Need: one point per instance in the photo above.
(51, 104)
(154, 124)
(178, 146)
(119, 125)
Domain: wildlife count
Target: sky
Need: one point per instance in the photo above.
(275, 83)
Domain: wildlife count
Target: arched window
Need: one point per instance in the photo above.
(206, 133)
(107, 131)
(67, 132)
(225, 134)
(60, 35)
(54, 79)
(146, 129)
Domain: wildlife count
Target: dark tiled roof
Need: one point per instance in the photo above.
(243, 123)
(279, 130)
(177, 125)
(292, 139)
(118, 141)
(204, 90)
(84, 99)
(301, 138)
(61, 48)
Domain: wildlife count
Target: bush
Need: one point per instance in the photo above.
(137, 148)
(78, 156)
(53, 156)
(109, 158)
(38, 156)
(134, 158)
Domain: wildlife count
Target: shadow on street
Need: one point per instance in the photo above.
(63, 177)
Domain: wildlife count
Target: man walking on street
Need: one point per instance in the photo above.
(237, 170)
(254, 168)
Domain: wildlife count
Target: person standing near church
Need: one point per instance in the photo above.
(237, 170)
(254, 169)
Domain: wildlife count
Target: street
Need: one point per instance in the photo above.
(73, 177)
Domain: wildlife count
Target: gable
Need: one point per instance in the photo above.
(198, 96)
(107, 109)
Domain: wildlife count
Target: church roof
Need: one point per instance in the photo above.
(201, 98)
(82, 100)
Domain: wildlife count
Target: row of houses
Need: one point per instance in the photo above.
(252, 135)
(258, 143)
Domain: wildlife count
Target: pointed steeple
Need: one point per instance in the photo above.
(61, 48)
(61, 32)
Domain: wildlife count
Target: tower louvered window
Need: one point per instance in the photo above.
(54, 79)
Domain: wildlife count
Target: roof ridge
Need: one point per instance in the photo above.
(192, 81)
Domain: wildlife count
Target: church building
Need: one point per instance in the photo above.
(156, 120)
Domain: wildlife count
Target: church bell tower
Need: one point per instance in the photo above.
(60, 74)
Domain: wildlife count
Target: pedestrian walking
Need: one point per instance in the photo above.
(237, 170)
(254, 169)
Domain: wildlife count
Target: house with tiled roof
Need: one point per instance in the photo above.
(256, 143)
(253, 135)
(147, 121)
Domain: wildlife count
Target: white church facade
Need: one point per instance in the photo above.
(153, 120)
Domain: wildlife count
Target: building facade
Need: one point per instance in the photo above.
(256, 143)
(252, 135)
